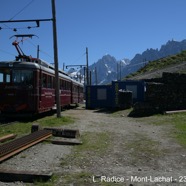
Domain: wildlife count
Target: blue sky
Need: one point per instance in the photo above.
(121, 28)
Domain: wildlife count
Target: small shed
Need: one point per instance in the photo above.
(98, 96)
(109, 96)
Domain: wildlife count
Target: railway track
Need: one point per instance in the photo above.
(9, 149)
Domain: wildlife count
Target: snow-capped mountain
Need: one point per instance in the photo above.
(104, 71)
(108, 69)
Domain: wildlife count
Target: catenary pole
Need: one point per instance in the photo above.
(96, 76)
(87, 73)
(38, 51)
(56, 59)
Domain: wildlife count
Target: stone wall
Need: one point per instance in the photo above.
(167, 93)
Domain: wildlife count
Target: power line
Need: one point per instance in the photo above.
(22, 9)
(78, 58)
(46, 54)
(7, 52)
(15, 29)
(29, 27)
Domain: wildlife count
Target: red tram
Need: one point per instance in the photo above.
(28, 86)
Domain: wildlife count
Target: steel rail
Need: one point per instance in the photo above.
(9, 149)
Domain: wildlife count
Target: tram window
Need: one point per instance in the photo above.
(61, 84)
(75, 88)
(54, 82)
(52, 86)
(64, 85)
(68, 85)
(1, 77)
(44, 81)
(22, 76)
(49, 82)
(5, 76)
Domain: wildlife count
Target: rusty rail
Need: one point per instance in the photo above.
(9, 149)
(7, 137)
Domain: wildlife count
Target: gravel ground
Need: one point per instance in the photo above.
(131, 149)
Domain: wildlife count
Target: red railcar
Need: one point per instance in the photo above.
(29, 87)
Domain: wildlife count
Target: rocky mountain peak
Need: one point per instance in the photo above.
(108, 69)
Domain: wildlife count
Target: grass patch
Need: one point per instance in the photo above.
(21, 128)
(93, 144)
(79, 177)
(143, 148)
(51, 182)
(16, 128)
(177, 121)
(160, 64)
(158, 119)
(54, 121)
(83, 157)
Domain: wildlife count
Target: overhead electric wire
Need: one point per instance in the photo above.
(7, 52)
(46, 54)
(79, 58)
(42, 51)
(15, 29)
(22, 9)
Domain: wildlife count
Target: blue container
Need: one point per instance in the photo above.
(107, 96)
(98, 96)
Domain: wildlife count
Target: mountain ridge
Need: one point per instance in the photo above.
(108, 69)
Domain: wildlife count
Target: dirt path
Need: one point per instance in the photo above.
(115, 148)
(137, 152)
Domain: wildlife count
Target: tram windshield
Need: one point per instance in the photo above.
(22, 76)
(4, 76)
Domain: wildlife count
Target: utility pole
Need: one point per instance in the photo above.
(117, 71)
(96, 76)
(87, 66)
(84, 71)
(58, 105)
(38, 51)
(63, 66)
(120, 71)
